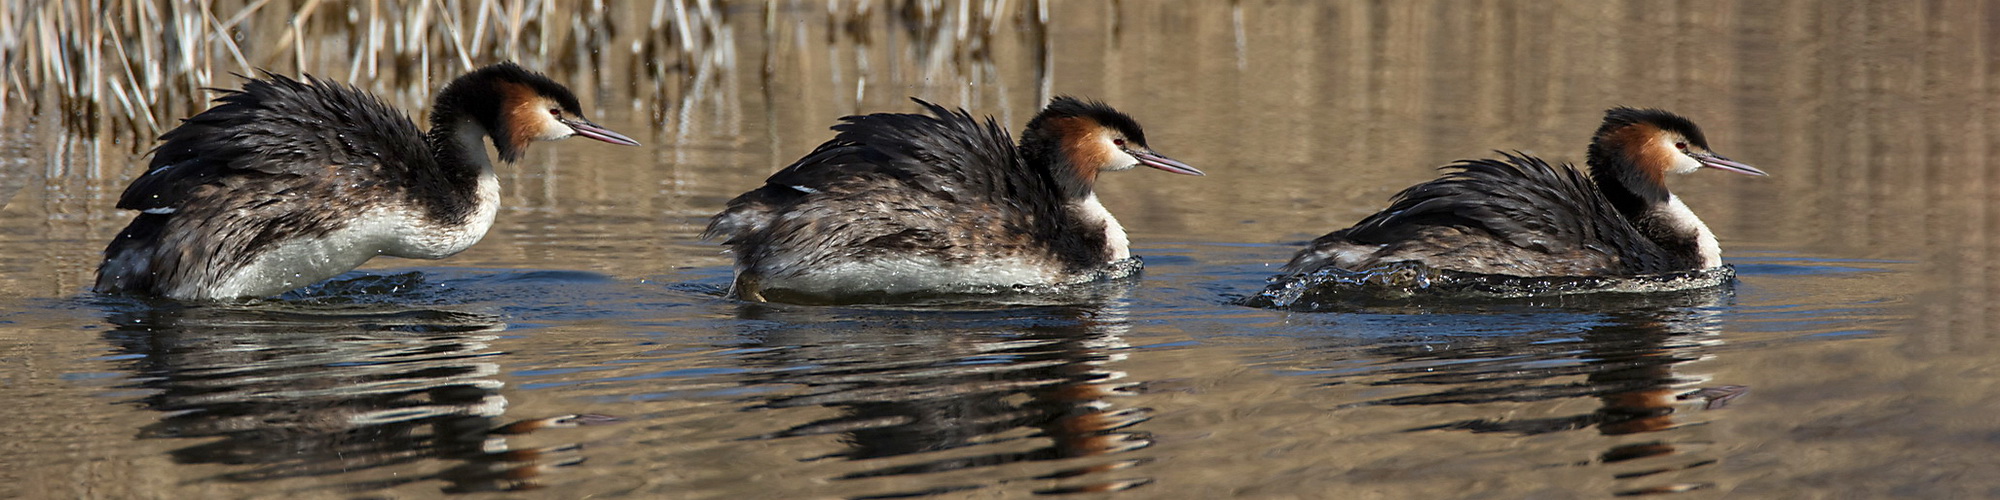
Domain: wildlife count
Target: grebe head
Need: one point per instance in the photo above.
(515, 107)
(1088, 137)
(1650, 143)
(1637, 148)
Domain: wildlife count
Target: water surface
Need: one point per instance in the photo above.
(1851, 358)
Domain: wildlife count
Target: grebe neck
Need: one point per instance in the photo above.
(465, 172)
(1092, 215)
(1694, 240)
(1619, 177)
(1648, 206)
(1043, 151)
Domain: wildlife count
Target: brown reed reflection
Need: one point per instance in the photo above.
(961, 397)
(367, 397)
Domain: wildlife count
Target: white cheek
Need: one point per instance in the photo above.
(553, 130)
(1683, 163)
(1120, 160)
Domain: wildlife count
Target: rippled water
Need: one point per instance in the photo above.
(584, 350)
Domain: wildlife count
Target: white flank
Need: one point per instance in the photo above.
(1349, 257)
(301, 262)
(911, 274)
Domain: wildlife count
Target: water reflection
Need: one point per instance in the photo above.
(957, 397)
(361, 397)
(1630, 363)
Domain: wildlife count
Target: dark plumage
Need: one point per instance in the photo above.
(1524, 217)
(943, 192)
(286, 163)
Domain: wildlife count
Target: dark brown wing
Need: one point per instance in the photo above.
(945, 158)
(1519, 213)
(277, 126)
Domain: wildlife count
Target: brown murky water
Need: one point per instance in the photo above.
(1862, 326)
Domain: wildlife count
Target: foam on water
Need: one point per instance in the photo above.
(1405, 282)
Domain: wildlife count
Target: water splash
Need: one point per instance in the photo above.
(1406, 282)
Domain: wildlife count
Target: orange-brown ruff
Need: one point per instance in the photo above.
(1523, 217)
(286, 182)
(940, 203)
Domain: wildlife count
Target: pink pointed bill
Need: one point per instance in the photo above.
(591, 130)
(1154, 160)
(1725, 164)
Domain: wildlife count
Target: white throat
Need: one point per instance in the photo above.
(1089, 211)
(1683, 221)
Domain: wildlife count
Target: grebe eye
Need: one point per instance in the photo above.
(555, 112)
(1681, 145)
(1118, 142)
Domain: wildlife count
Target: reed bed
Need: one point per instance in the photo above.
(132, 67)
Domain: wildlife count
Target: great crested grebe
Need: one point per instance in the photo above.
(286, 182)
(911, 203)
(1524, 217)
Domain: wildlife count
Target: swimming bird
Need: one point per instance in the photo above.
(285, 182)
(938, 203)
(1521, 216)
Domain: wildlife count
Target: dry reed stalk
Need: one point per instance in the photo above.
(145, 107)
(452, 27)
(297, 39)
(137, 65)
(222, 33)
